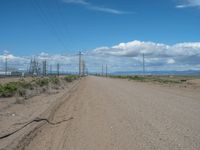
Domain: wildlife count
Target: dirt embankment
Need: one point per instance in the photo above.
(19, 121)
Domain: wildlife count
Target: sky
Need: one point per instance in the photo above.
(115, 32)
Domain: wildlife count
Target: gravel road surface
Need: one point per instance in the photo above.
(117, 114)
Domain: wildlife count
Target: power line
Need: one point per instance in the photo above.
(44, 16)
(62, 18)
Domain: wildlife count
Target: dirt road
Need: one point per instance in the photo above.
(115, 114)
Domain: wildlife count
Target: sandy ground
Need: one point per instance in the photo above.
(116, 114)
(42, 106)
(14, 79)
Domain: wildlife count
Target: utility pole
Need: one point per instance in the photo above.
(102, 70)
(83, 65)
(58, 69)
(143, 64)
(87, 72)
(44, 63)
(80, 63)
(50, 69)
(6, 65)
(106, 70)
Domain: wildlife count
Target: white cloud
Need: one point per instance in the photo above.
(171, 61)
(156, 54)
(150, 49)
(96, 8)
(108, 10)
(121, 57)
(189, 3)
(12, 58)
(82, 2)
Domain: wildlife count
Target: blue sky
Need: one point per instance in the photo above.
(30, 27)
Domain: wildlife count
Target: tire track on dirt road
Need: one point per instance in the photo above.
(30, 130)
(114, 114)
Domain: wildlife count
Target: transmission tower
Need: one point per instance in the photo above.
(34, 68)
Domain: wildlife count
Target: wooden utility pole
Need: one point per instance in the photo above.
(6, 65)
(44, 68)
(143, 64)
(106, 70)
(83, 67)
(50, 69)
(102, 70)
(80, 61)
(58, 69)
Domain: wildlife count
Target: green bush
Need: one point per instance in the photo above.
(70, 78)
(24, 84)
(41, 81)
(55, 80)
(166, 81)
(8, 89)
(137, 78)
(20, 87)
(156, 79)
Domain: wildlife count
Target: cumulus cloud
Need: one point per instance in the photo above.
(14, 62)
(95, 8)
(156, 54)
(120, 57)
(132, 49)
(151, 49)
(189, 3)
(171, 61)
(7, 55)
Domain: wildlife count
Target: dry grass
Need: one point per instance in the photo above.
(29, 88)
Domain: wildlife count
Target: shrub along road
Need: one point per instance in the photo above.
(116, 114)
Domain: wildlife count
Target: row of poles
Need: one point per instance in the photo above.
(106, 67)
(106, 70)
(82, 67)
(35, 69)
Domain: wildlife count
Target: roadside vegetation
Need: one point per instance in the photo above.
(71, 78)
(39, 84)
(155, 79)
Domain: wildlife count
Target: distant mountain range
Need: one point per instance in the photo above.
(187, 72)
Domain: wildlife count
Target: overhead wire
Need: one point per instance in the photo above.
(62, 18)
(47, 20)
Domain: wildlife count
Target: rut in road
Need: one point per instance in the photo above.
(35, 120)
(115, 114)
